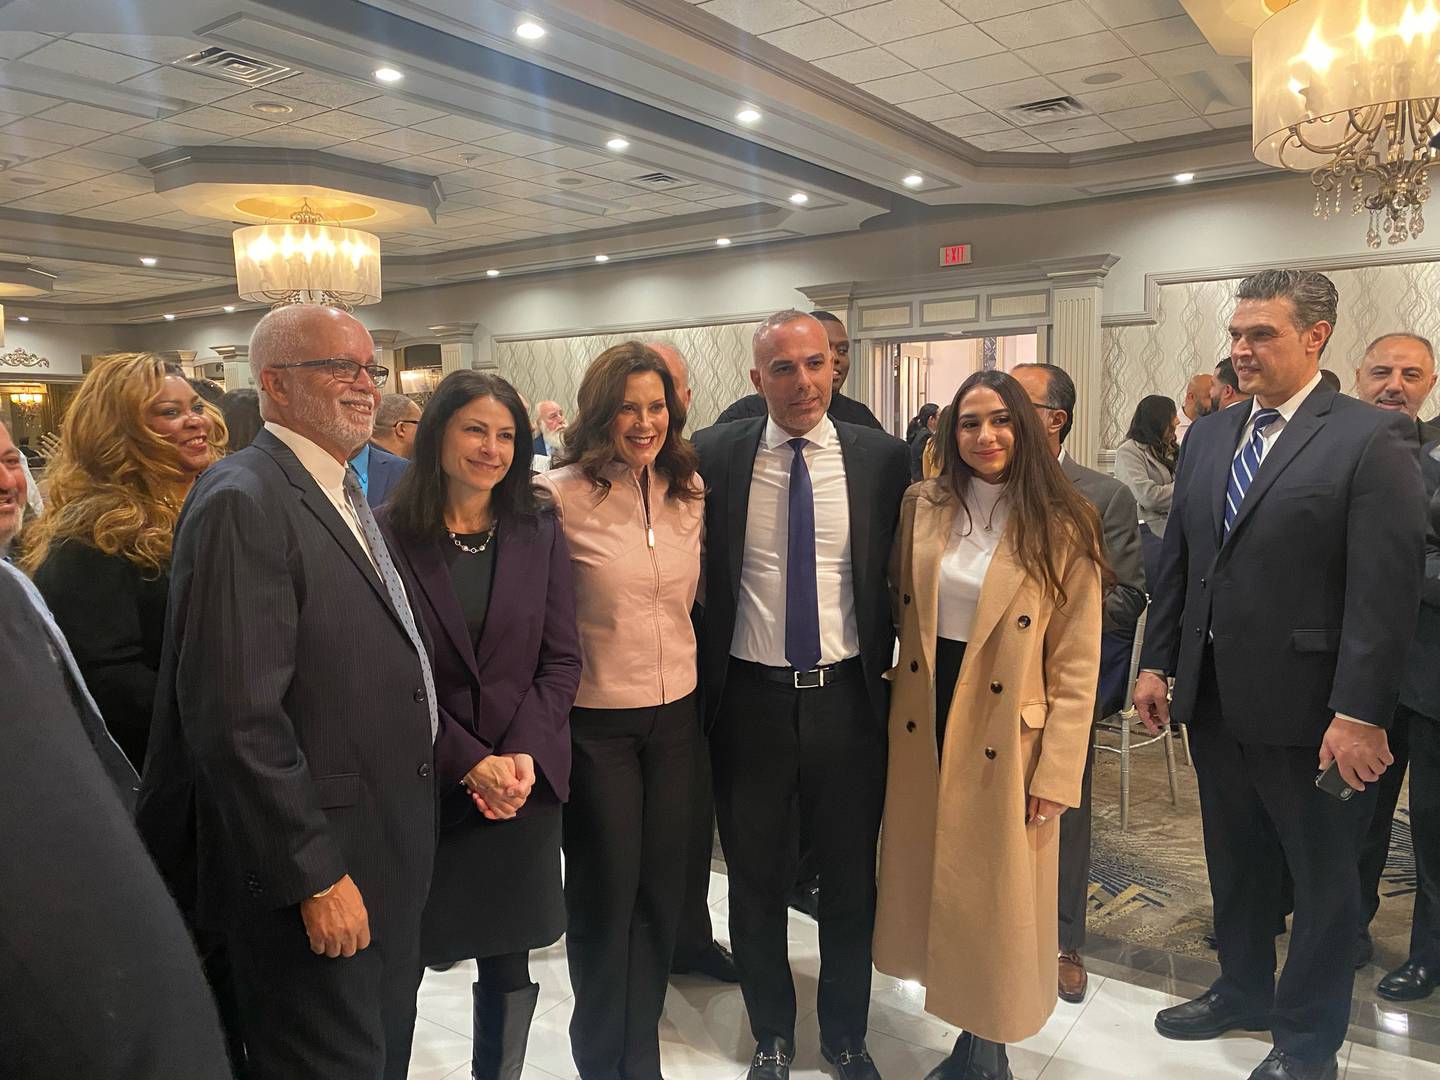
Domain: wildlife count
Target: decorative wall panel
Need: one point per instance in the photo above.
(551, 368)
(1189, 334)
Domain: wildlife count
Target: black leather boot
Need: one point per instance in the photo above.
(501, 1032)
(974, 1059)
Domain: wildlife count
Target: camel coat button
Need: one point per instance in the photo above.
(990, 752)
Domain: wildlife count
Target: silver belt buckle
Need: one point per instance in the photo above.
(819, 682)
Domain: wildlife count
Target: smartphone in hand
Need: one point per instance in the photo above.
(1332, 783)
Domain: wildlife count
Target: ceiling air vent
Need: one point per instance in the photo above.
(235, 67)
(1056, 108)
(656, 179)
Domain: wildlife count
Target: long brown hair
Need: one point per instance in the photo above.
(589, 442)
(116, 485)
(1047, 515)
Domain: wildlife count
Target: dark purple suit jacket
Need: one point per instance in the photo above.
(511, 694)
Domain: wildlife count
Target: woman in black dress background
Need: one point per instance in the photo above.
(494, 574)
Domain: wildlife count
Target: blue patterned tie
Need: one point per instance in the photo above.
(802, 603)
(1246, 465)
(391, 579)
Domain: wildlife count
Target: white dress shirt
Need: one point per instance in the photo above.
(973, 540)
(760, 608)
(329, 474)
(1271, 433)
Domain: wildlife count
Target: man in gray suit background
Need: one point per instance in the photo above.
(1052, 392)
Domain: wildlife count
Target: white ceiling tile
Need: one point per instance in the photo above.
(865, 65)
(291, 137)
(364, 151)
(1163, 34)
(519, 168)
(175, 220)
(895, 20)
(224, 122)
(1166, 131)
(416, 163)
(244, 104)
(158, 49)
(945, 47)
(1067, 20)
(127, 146)
(63, 200)
(978, 124)
(1146, 115)
(1001, 140)
(1191, 58)
(334, 93)
(1128, 12)
(409, 142)
(1130, 71)
(27, 180)
(185, 85)
(16, 43)
(816, 40)
(568, 157)
(1008, 95)
(575, 181)
(731, 200)
(88, 116)
(468, 156)
(36, 127)
(118, 185)
(980, 10)
(461, 129)
(1238, 118)
(983, 71)
(95, 161)
(901, 88)
(1036, 148)
(1090, 142)
(1071, 53)
(941, 108)
(344, 124)
(1072, 127)
(16, 148)
(396, 111)
(516, 142)
(68, 171)
(137, 209)
(1114, 98)
(759, 16)
(23, 104)
(167, 133)
(74, 58)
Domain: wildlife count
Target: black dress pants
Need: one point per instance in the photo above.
(784, 757)
(626, 828)
(1376, 847)
(695, 933)
(308, 1017)
(1262, 812)
(1425, 832)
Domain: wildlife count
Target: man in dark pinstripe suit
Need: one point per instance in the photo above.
(288, 793)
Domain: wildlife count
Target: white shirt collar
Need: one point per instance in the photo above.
(1289, 408)
(820, 435)
(318, 462)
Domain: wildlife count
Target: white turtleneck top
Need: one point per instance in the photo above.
(973, 540)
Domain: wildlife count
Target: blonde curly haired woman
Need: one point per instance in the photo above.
(134, 440)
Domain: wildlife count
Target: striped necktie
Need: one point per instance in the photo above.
(1246, 465)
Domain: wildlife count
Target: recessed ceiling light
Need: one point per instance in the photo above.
(913, 180)
(148, 260)
(279, 108)
(1102, 78)
(799, 198)
(492, 273)
(748, 115)
(23, 318)
(602, 258)
(617, 144)
(530, 31)
(1184, 177)
(229, 308)
(389, 74)
(169, 317)
(723, 241)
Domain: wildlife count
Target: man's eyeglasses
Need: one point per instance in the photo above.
(402, 423)
(343, 370)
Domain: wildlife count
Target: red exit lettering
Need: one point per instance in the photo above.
(955, 255)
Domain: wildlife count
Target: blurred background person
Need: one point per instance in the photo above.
(132, 443)
(209, 390)
(396, 421)
(632, 507)
(1397, 373)
(497, 596)
(918, 436)
(241, 410)
(1225, 390)
(1145, 463)
(1197, 402)
(980, 770)
(377, 466)
(549, 429)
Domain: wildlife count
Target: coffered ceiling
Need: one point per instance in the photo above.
(851, 97)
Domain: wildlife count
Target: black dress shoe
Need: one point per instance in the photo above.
(714, 962)
(772, 1059)
(851, 1060)
(1411, 981)
(1207, 1017)
(805, 898)
(973, 1059)
(1281, 1066)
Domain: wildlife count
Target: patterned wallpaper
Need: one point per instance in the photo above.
(1189, 335)
(551, 368)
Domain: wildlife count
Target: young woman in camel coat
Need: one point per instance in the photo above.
(997, 574)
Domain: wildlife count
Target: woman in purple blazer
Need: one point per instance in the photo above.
(496, 594)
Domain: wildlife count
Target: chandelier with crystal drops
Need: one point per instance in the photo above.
(1349, 91)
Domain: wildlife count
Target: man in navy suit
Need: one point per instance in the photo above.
(1287, 594)
(381, 462)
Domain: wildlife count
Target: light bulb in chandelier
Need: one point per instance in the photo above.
(305, 261)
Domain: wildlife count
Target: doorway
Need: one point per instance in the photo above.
(911, 372)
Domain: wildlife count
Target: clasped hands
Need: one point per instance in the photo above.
(1361, 751)
(500, 784)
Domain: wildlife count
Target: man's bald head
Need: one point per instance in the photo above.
(675, 363)
(793, 370)
(1197, 395)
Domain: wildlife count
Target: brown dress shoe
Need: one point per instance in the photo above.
(1073, 979)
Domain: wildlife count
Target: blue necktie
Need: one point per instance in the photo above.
(802, 603)
(1246, 465)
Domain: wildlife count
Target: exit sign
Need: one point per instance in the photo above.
(955, 255)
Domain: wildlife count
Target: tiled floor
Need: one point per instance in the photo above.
(1111, 1036)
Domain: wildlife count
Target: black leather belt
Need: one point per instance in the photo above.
(814, 679)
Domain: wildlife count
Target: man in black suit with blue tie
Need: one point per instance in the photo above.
(1288, 588)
